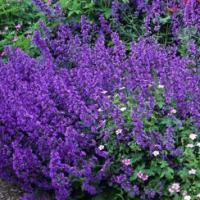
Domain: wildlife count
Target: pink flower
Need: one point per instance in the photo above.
(18, 26)
(173, 111)
(49, 2)
(3, 53)
(190, 145)
(14, 39)
(28, 36)
(126, 162)
(174, 188)
(142, 176)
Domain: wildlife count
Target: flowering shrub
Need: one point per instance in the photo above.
(90, 120)
(93, 119)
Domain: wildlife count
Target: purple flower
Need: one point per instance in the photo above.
(43, 7)
(115, 10)
(150, 193)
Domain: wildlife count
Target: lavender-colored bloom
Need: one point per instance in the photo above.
(177, 152)
(150, 193)
(136, 190)
(43, 7)
(27, 197)
(180, 15)
(85, 29)
(105, 27)
(115, 10)
(192, 49)
(169, 139)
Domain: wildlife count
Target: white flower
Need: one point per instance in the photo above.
(174, 188)
(184, 193)
(198, 196)
(123, 109)
(101, 147)
(161, 86)
(192, 172)
(190, 145)
(156, 153)
(173, 111)
(193, 136)
(104, 92)
(187, 197)
(100, 110)
(118, 131)
(198, 144)
(121, 88)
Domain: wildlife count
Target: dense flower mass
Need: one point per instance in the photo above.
(90, 117)
(180, 14)
(66, 124)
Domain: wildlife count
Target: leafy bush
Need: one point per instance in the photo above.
(88, 120)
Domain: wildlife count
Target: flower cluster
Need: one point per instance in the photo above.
(180, 14)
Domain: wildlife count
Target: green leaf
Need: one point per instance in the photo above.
(137, 157)
(108, 194)
(99, 197)
(165, 20)
(89, 5)
(166, 121)
(125, 1)
(167, 173)
(163, 164)
(64, 3)
(107, 12)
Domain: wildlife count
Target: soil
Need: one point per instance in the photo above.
(9, 192)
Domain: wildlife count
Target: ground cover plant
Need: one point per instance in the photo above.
(98, 117)
(17, 24)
